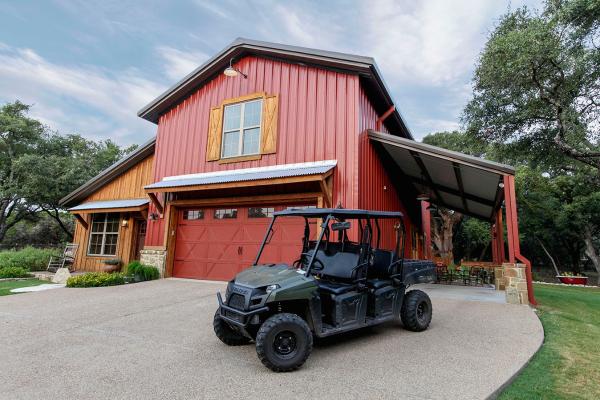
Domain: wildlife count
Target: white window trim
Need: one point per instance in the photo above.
(104, 233)
(242, 128)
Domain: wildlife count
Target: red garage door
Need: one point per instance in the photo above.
(217, 243)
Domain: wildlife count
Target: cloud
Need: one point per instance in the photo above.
(94, 102)
(177, 63)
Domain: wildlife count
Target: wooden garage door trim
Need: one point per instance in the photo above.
(174, 208)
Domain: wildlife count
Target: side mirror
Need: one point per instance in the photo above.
(340, 226)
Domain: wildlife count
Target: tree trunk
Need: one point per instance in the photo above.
(590, 250)
(442, 233)
(549, 256)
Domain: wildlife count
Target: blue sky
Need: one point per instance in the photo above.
(89, 66)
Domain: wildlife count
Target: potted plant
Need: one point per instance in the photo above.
(112, 265)
(570, 278)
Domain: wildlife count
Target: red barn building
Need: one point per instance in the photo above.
(260, 127)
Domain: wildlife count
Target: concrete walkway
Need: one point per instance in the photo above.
(154, 340)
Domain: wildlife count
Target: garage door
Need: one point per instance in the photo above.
(217, 243)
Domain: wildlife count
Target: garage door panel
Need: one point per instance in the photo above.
(217, 249)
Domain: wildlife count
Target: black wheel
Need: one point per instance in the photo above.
(284, 342)
(226, 334)
(416, 311)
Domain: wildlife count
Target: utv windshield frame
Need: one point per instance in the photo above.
(328, 214)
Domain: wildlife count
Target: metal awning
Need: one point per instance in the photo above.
(250, 175)
(464, 183)
(111, 206)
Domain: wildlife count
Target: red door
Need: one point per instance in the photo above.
(217, 243)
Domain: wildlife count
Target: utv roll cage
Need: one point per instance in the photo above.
(366, 219)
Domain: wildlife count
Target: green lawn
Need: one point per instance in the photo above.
(7, 286)
(568, 364)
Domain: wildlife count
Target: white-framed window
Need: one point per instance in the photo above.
(241, 129)
(104, 235)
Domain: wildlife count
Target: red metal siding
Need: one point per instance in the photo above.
(376, 189)
(318, 120)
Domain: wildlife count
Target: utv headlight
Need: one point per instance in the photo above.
(270, 288)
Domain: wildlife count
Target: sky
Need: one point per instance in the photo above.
(88, 66)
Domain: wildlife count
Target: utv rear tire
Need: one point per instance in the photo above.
(226, 334)
(416, 311)
(284, 342)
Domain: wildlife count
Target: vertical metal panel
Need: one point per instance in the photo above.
(376, 191)
(318, 111)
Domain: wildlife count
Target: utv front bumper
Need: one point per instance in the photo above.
(237, 317)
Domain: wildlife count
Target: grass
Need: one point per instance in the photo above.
(7, 286)
(568, 364)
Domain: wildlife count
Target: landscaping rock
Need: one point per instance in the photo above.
(61, 275)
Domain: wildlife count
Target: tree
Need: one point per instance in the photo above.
(537, 86)
(19, 135)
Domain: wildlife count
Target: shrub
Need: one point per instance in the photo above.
(29, 258)
(14, 272)
(142, 272)
(94, 279)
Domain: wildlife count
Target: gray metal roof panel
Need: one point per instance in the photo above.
(107, 204)
(246, 174)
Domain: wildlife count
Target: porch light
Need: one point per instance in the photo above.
(233, 71)
(501, 185)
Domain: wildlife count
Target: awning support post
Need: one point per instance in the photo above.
(379, 122)
(512, 229)
(82, 221)
(156, 202)
(426, 222)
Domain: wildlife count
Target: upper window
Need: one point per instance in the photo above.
(241, 129)
(104, 235)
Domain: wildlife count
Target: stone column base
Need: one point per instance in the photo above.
(156, 258)
(515, 283)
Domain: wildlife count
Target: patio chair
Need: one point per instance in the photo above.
(476, 275)
(442, 273)
(67, 260)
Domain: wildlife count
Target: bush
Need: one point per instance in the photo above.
(14, 272)
(95, 279)
(28, 258)
(142, 272)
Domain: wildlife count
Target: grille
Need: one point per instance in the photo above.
(237, 301)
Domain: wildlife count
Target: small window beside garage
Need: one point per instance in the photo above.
(104, 235)
(260, 212)
(193, 214)
(225, 213)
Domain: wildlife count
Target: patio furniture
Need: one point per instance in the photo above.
(442, 273)
(67, 260)
(475, 275)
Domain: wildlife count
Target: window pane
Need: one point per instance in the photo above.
(112, 224)
(231, 143)
(258, 212)
(225, 213)
(98, 222)
(95, 244)
(193, 214)
(110, 245)
(252, 111)
(231, 119)
(251, 137)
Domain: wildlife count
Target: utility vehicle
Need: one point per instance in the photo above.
(336, 285)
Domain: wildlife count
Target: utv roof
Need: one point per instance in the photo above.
(338, 213)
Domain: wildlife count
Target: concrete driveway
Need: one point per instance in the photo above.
(154, 340)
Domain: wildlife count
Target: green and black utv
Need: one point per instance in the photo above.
(336, 285)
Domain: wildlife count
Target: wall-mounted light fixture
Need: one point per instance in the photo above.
(124, 223)
(233, 71)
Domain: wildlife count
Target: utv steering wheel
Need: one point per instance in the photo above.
(317, 264)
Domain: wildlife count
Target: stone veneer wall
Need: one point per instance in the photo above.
(156, 258)
(511, 279)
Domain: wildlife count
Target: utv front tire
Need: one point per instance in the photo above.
(284, 342)
(416, 311)
(226, 334)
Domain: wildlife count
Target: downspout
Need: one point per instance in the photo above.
(379, 122)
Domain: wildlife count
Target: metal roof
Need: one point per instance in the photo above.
(246, 174)
(338, 212)
(463, 183)
(349, 63)
(109, 174)
(108, 204)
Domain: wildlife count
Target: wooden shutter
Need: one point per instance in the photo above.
(213, 144)
(268, 142)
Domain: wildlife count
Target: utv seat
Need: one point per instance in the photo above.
(379, 283)
(378, 272)
(334, 287)
(339, 266)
